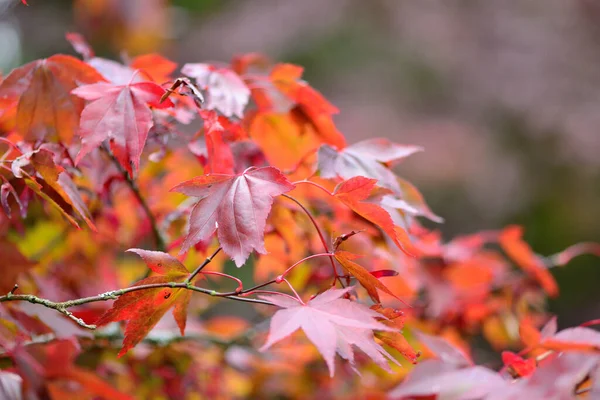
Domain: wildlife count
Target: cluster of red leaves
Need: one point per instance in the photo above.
(269, 179)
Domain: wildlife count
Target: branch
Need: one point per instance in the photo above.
(158, 238)
(63, 306)
(201, 266)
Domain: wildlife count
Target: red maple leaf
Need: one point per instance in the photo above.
(143, 309)
(332, 324)
(121, 114)
(41, 93)
(237, 204)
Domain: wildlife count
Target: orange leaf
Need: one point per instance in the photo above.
(56, 177)
(41, 92)
(365, 278)
(520, 252)
(354, 191)
(142, 309)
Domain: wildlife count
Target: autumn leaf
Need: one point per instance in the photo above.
(59, 180)
(395, 339)
(353, 194)
(311, 106)
(226, 91)
(237, 204)
(158, 67)
(366, 279)
(41, 92)
(12, 264)
(121, 114)
(142, 309)
(368, 158)
(520, 252)
(332, 324)
(281, 138)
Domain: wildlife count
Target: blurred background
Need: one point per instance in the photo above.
(503, 95)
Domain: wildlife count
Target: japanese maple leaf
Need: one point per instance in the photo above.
(41, 92)
(142, 309)
(121, 114)
(366, 279)
(354, 192)
(332, 324)
(227, 92)
(237, 204)
(366, 158)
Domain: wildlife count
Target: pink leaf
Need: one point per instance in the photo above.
(121, 114)
(433, 377)
(237, 204)
(444, 350)
(364, 158)
(332, 324)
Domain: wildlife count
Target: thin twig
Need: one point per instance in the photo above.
(314, 222)
(201, 266)
(158, 238)
(114, 294)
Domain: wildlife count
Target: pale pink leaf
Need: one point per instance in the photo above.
(237, 204)
(333, 324)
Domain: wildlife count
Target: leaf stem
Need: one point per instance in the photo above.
(314, 222)
(201, 266)
(240, 286)
(287, 271)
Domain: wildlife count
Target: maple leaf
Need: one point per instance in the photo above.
(119, 113)
(332, 324)
(354, 191)
(520, 252)
(41, 92)
(366, 279)
(143, 309)
(237, 204)
(365, 158)
(12, 264)
(227, 92)
(57, 178)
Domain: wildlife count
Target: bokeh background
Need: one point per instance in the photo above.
(503, 94)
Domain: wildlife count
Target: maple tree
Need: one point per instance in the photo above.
(232, 183)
